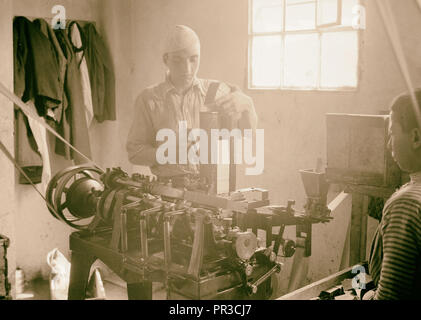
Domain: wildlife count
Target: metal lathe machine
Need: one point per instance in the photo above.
(199, 245)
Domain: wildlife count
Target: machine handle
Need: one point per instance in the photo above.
(252, 287)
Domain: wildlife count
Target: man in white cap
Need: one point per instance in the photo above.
(180, 98)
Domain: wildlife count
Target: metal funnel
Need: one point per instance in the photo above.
(315, 184)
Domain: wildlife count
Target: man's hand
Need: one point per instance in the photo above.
(234, 104)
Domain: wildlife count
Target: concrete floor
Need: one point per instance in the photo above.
(114, 287)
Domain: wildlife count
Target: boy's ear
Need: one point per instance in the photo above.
(416, 138)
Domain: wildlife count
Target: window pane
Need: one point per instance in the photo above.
(300, 16)
(266, 61)
(339, 59)
(301, 60)
(347, 15)
(327, 11)
(267, 15)
(293, 2)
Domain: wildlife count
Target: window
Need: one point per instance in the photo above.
(303, 44)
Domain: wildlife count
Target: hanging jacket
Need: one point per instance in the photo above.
(33, 55)
(75, 112)
(101, 74)
(26, 150)
(78, 41)
(60, 123)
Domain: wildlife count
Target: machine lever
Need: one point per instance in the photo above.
(252, 287)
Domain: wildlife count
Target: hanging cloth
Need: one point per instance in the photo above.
(33, 54)
(60, 123)
(26, 150)
(74, 94)
(101, 74)
(40, 136)
(78, 43)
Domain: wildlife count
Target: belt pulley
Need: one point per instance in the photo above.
(72, 195)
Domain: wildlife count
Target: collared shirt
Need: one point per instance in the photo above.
(162, 107)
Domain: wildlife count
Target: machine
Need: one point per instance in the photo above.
(199, 245)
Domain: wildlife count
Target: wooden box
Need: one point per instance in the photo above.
(357, 151)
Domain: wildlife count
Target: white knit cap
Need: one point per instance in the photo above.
(181, 37)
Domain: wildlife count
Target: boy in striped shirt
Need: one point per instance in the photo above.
(395, 257)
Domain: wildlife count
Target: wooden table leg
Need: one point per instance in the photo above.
(140, 291)
(364, 218)
(79, 273)
(358, 234)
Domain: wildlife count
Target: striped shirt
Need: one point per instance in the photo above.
(395, 257)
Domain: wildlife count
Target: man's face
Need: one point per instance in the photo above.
(183, 66)
(400, 145)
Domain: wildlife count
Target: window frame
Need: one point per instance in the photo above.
(319, 29)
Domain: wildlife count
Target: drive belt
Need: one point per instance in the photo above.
(32, 114)
(18, 167)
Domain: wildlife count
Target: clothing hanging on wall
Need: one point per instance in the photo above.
(61, 123)
(40, 136)
(74, 94)
(33, 54)
(45, 28)
(32, 138)
(79, 48)
(26, 150)
(101, 74)
(68, 75)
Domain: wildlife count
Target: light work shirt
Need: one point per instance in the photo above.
(162, 107)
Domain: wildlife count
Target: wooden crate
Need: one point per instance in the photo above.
(4, 283)
(357, 151)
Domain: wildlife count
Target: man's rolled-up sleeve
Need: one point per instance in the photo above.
(141, 139)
